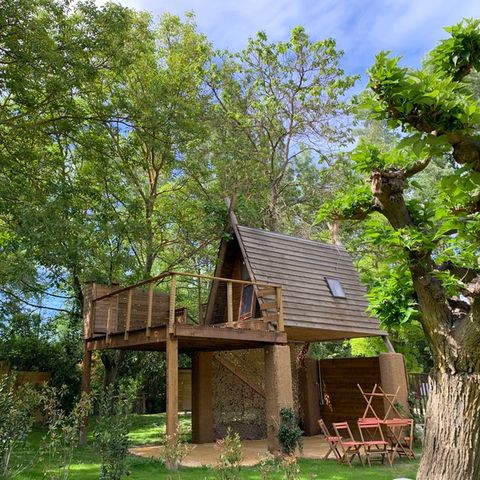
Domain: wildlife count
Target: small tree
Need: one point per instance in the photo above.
(16, 421)
(111, 430)
(63, 431)
(289, 433)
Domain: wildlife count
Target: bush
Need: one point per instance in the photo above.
(16, 421)
(111, 430)
(175, 451)
(63, 431)
(289, 433)
(230, 457)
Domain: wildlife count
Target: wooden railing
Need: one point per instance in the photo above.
(128, 304)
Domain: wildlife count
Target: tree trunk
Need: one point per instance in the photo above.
(452, 436)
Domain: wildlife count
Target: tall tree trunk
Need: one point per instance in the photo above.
(112, 361)
(452, 437)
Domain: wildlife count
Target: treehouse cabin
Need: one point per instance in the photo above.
(245, 328)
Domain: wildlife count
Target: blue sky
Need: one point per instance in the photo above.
(360, 27)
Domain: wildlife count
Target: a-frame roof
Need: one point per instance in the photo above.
(301, 267)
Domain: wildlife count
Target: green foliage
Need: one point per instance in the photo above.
(367, 347)
(289, 433)
(273, 110)
(63, 432)
(290, 468)
(176, 448)
(230, 457)
(459, 54)
(30, 344)
(16, 421)
(111, 430)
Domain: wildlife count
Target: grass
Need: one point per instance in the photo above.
(147, 429)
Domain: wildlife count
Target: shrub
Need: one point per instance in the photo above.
(63, 431)
(111, 430)
(290, 468)
(230, 457)
(289, 433)
(16, 421)
(175, 451)
(267, 466)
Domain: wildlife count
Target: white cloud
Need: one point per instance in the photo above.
(361, 28)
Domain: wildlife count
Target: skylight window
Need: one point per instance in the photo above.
(335, 287)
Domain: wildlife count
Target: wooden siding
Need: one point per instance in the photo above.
(342, 400)
(301, 266)
(119, 310)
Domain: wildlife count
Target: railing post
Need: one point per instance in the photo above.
(199, 294)
(150, 308)
(280, 322)
(129, 314)
(173, 301)
(109, 320)
(229, 304)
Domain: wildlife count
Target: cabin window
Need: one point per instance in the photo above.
(335, 287)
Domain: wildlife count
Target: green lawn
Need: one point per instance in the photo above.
(145, 431)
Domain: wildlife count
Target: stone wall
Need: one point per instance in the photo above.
(237, 402)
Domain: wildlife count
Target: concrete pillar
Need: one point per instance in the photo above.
(309, 390)
(278, 389)
(393, 374)
(202, 397)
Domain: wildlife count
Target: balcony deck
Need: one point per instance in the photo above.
(139, 318)
(190, 338)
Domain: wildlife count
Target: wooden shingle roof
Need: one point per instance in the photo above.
(301, 267)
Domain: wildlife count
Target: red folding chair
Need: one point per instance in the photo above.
(331, 440)
(374, 443)
(350, 447)
(400, 433)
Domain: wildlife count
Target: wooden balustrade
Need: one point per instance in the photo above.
(269, 297)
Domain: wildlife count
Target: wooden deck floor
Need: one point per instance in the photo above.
(190, 338)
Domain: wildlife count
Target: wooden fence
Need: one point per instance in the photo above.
(419, 389)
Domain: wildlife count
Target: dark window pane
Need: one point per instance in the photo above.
(335, 287)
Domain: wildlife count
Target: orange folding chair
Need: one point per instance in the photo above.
(374, 443)
(331, 440)
(350, 447)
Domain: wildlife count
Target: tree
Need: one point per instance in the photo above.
(432, 236)
(279, 109)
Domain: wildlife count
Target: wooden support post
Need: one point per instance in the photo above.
(129, 314)
(172, 387)
(86, 373)
(388, 344)
(109, 320)
(173, 298)
(229, 304)
(150, 308)
(199, 299)
(280, 321)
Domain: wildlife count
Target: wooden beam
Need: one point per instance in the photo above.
(129, 314)
(388, 344)
(222, 279)
(150, 308)
(229, 304)
(172, 387)
(280, 321)
(173, 299)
